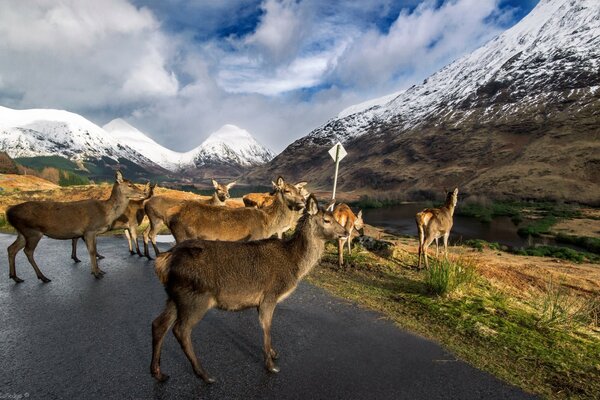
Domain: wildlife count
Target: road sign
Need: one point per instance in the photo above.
(337, 152)
(333, 151)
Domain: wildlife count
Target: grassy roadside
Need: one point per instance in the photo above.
(547, 342)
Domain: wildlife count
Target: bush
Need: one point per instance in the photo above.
(588, 243)
(558, 307)
(445, 275)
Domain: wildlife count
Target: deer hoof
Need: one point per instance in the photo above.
(77, 260)
(17, 279)
(44, 279)
(273, 369)
(98, 274)
(131, 252)
(159, 376)
(209, 379)
(99, 257)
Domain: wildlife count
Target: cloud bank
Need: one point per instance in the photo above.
(278, 68)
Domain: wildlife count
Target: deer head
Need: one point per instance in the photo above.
(222, 191)
(128, 188)
(327, 227)
(292, 196)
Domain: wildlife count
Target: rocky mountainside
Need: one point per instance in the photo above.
(518, 117)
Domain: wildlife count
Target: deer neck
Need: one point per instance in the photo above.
(277, 213)
(215, 201)
(306, 249)
(116, 203)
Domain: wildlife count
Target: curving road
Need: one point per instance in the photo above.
(82, 338)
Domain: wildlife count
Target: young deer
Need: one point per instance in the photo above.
(67, 220)
(199, 221)
(353, 224)
(160, 208)
(199, 275)
(130, 220)
(434, 223)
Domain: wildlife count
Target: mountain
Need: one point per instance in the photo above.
(130, 136)
(227, 152)
(516, 118)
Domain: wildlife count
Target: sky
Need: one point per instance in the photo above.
(179, 70)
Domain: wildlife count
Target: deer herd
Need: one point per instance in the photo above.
(230, 258)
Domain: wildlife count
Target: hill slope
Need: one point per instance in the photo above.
(518, 117)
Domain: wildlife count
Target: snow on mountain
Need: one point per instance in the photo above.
(128, 135)
(46, 132)
(557, 41)
(231, 145)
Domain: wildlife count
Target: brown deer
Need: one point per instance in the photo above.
(434, 223)
(130, 220)
(354, 225)
(160, 208)
(260, 200)
(199, 221)
(67, 220)
(199, 275)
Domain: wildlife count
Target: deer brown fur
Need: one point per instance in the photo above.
(352, 223)
(261, 200)
(199, 221)
(199, 275)
(159, 210)
(434, 223)
(67, 220)
(129, 221)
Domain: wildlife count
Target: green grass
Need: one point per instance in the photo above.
(366, 202)
(480, 324)
(486, 212)
(588, 243)
(445, 275)
(40, 162)
(563, 253)
(480, 244)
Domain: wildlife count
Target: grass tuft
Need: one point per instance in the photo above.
(445, 275)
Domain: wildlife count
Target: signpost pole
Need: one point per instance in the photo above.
(337, 165)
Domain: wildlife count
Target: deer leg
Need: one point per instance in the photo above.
(154, 228)
(421, 241)
(425, 248)
(74, 250)
(340, 253)
(128, 237)
(145, 237)
(437, 247)
(98, 255)
(446, 236)
(90, 242)
(134, 238)
(13, 249)
(188, 315)
(265, 316)
(31, 243)
(160, 327)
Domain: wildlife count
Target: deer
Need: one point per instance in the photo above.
(354, 225)
(435, 223)
(130, 220)
(67, 220)
(194, 220)
(260, 200)
(199, 275)
(160, 208)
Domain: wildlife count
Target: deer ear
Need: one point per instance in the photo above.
(359, 215)
(215, 183)
(312, 207)
(119, 177)
(231, 184)
(455, 191)
(280, 182)
(300, 185)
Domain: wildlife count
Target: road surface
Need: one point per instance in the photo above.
(82, 338)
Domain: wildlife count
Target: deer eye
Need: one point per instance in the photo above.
(327, 221)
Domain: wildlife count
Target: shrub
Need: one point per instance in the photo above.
(445, 275)
(559, 308)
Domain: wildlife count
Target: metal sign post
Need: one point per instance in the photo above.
(337, 152)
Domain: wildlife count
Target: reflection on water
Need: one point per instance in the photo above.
(400, 219)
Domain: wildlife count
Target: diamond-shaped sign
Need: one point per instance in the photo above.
(334, 151)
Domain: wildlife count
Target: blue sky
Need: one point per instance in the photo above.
(179, 70)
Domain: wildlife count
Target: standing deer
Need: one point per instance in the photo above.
(160, 208)
(199, 221)
(67, 220)
(434, 223)
(199, 275)
(130, 220)
(354, 225)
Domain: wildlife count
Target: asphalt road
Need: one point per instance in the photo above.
(81, 338)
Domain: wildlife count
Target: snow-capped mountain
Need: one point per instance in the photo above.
(516, 117)
(46, 132)
(130, 136)
(229, 145)
(233, 146)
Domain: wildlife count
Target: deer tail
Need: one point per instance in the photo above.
(162, 266)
